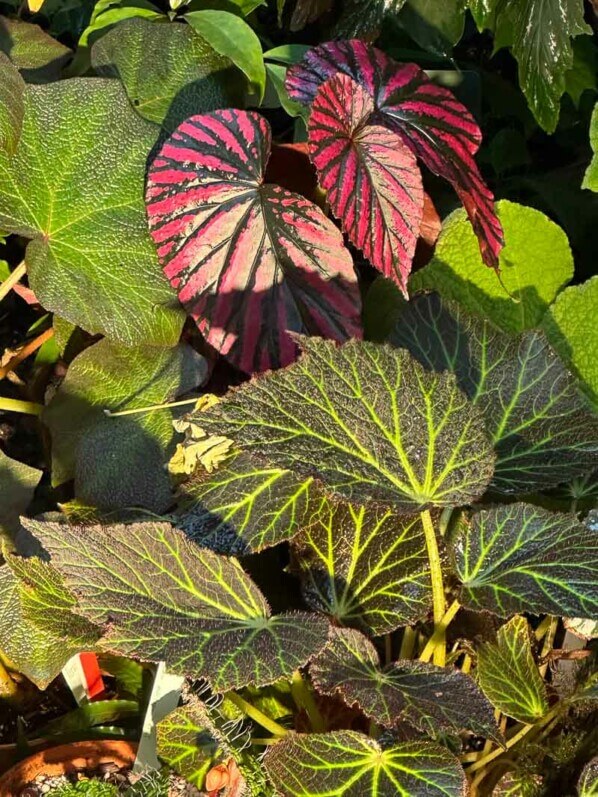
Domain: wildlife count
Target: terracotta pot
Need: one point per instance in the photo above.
(65, 759)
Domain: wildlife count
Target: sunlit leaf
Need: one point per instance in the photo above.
(366, 567)
(38, 57)
(251, 262)
(352, 764)
(509, 676)
(542, 428)
(17, 484)
(433, 699)
(438, 128)
(366, 420)
(371, 177)
(518, 784)
(590, 179)
(12, 107)
(520, 557)
(587, 785)
(161, 597)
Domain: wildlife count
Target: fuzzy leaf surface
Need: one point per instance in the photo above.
(542, 428)
(364, 566)
(587, 785)
(12, 106)
(590, 179)
(520, 557)
(38, 57)
(81, 139)
(432, 699)
(371, 177)
(438, 128)
(163, 598)
(509, 676)
(251, 261)
(366, 420)
(352, 764)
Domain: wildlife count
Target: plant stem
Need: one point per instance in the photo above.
(543, 628)
(305, 700)
(548, 642)
(438, 601)
(12, 280)
(438, 636)
(150, 408)
(25, 351)
(25, 407)
(256, 715)
(445, 519)
(408, 643)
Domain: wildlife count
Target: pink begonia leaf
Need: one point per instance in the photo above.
(374, 184)
(430, 120)
(252, 262)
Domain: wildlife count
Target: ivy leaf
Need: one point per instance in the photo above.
(90, 447)
(372, 179)
(17, 485)
(91, 147)
(587, 786)
(38, 628)
(38, 57)
(432, 699)
(438, 128)
(161, 597)
(244, 507)
(366, 420)
(520, 557)
(364, 566)
(509, 676)
(590, 179)
(352, 764)
(251, 262)
(542, 429)
(12, 106)
(535, 264)
(539, 33)
(188, 77)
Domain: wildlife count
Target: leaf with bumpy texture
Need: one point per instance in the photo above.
(371, 177)
(432, 699)
(438, 128)
(587, 785)
(163, 598)
(520, 557)
(366, 420)
(38, 57)
(352, 764)
(543, 430)
(509, 676)
(75, 187)
(12, 107)
(244, 507)
(251, 261)
(590, 179)
(364, 566)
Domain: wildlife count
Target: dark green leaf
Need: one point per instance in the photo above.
(367, 420)
(366, 567)
(17, 484)
(435, 26)
(520, 557)
(38, 57)
(363, 19)
(163, 598)
(12, 107)
(101, 712)
(542, 429)
(509, 676)
(128, 675)
(352, 764)
(75, 186)
(587, 785)
(433, 699)
(276, 75)
(583, 73)
(590, 179)
(518, 784)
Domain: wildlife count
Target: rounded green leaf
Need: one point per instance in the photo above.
(161, 597)
(12, 107)
(535, 264)
(366, 420)
(587, 785)
(353, 765)
(590, 179)
(75, 187)
(364, 566)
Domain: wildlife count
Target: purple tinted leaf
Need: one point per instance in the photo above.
(251, 262)
(438, 128)
(373, 182)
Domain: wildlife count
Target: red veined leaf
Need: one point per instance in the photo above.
(374, 184)
(438, 128)
(252, 262)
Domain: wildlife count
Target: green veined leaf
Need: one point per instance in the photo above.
(535, 264)
(520, 557)
(367, 420)
(364, 566)
(432, 699)
(38, 57)
(163, 598)
(87, 142)
(587, 785)
(232, 37)
(542, 428)
(509, 676)
(244, 507)
(12, 107)
(352, 764)
(590, 179)
(518, 784)
(17, 485)
(189, 76)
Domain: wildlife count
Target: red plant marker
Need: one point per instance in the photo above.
(251, 262)
(435, 125)
(373, 181)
